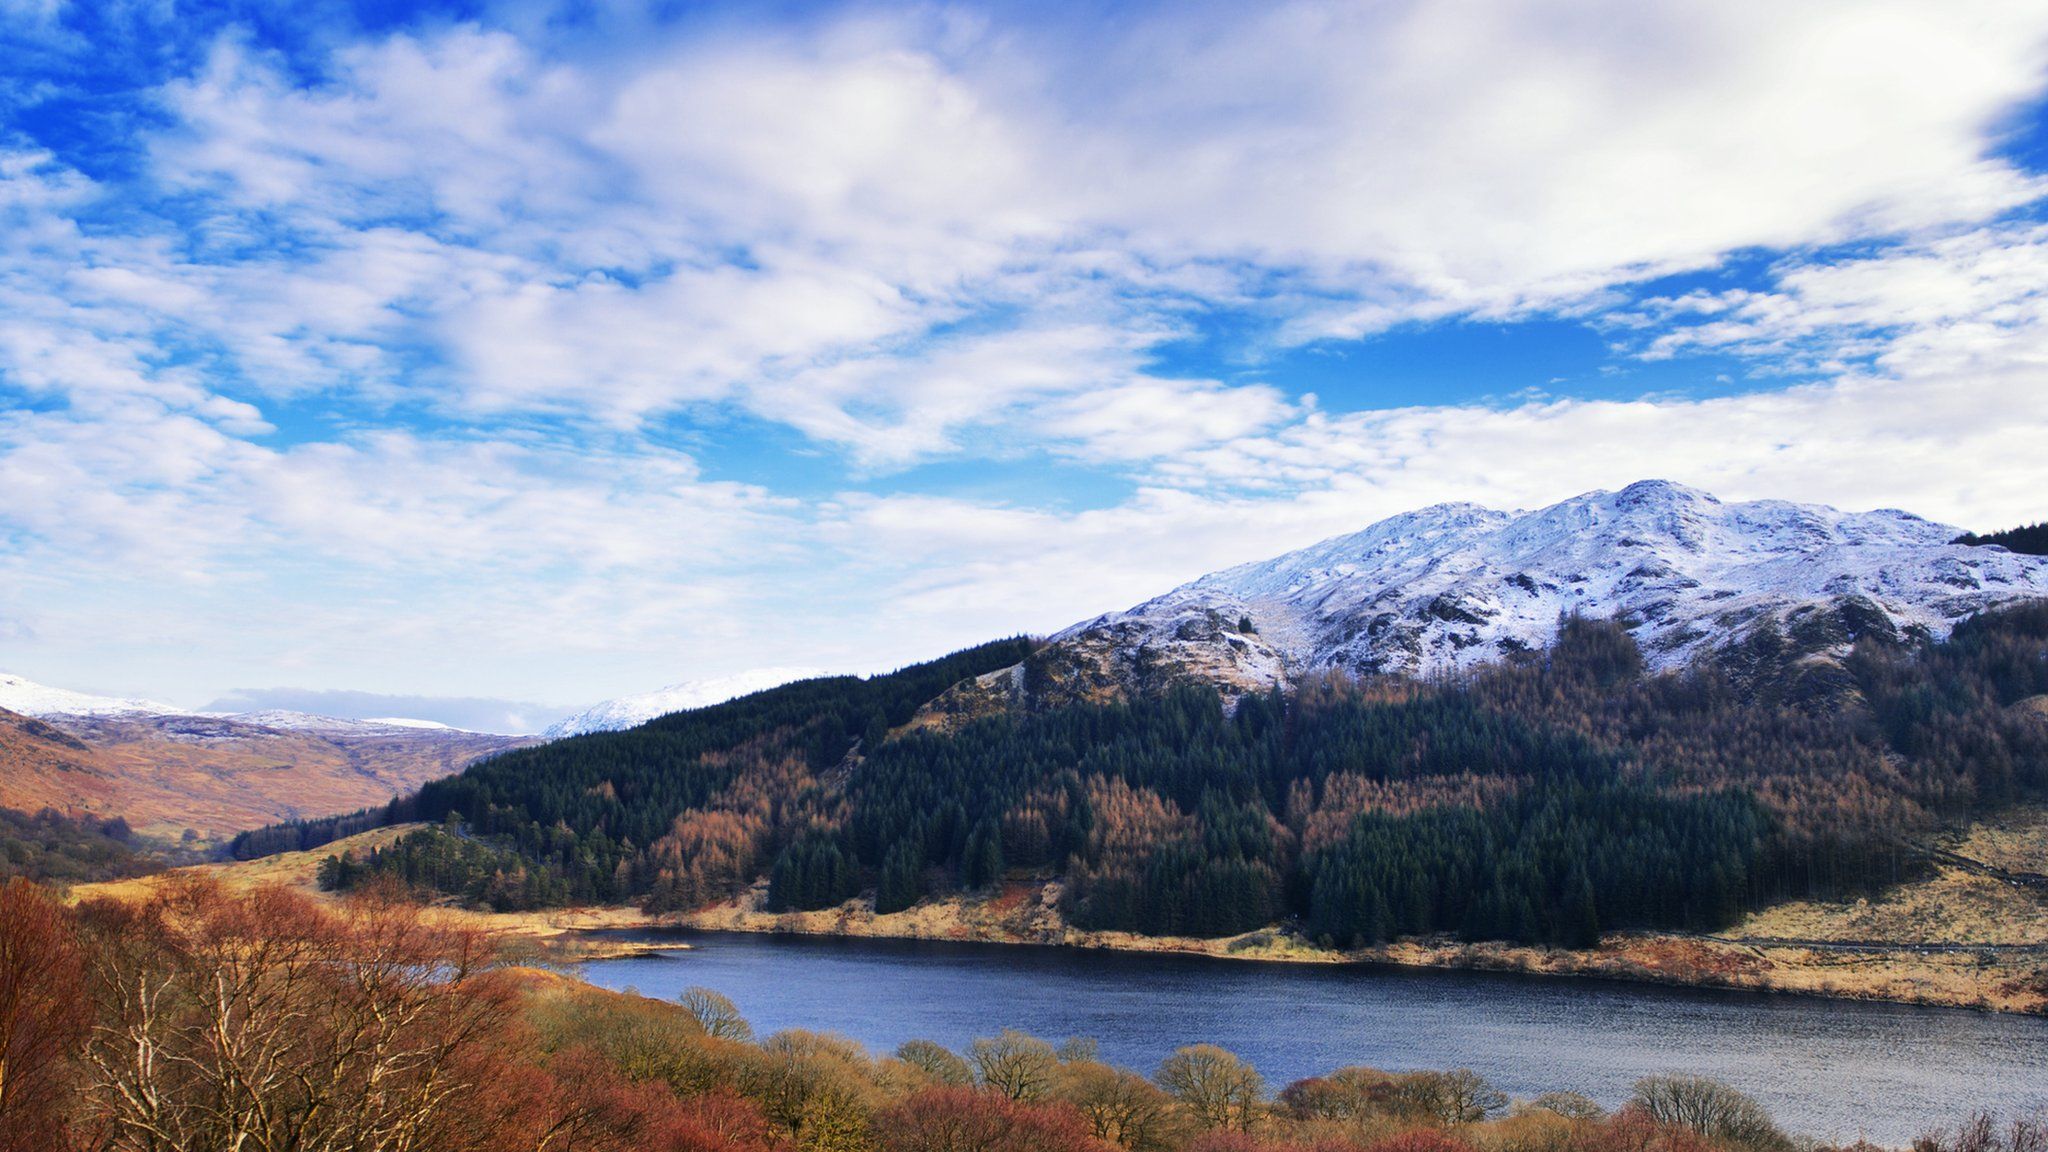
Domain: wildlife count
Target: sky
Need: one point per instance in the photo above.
(548, 351)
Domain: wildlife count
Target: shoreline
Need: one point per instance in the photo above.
(2006, 980)
(1994, 960)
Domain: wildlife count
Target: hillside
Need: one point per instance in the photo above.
(1782, 698)
(166, 772)
(1545, 801)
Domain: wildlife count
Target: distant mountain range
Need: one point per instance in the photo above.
(28, 698)
(635, 710)
(166, 770)
(1457, 586)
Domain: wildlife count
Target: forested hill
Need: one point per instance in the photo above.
(616, 789)
(1548, 798)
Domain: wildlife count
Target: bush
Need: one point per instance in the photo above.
(976, 1120)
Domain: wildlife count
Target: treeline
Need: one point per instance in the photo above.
(444, 860)
(302, 835)
(204, 1020)
(2031, 540)
(59, 848)
(1547, 800)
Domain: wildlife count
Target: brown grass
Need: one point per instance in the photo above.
(1954, 906)
(554, 935)
(227, 778)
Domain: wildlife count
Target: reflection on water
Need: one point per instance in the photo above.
(1831, 1069)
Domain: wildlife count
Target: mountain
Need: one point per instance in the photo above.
(1511, 765)
(633, 711)
(42, 766)
(1453, 587)
(28, 698)
(165, 770)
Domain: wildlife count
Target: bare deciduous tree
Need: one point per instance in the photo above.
(1709, 1108)
(1218, 1089)
(265, 1023)
(1018, 1066)
(43, 1017)
(717, 1013)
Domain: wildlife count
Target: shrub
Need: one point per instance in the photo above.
(977, 1120)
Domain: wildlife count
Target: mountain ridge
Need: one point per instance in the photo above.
(166, 772)
(1452, 587)
(20, 695)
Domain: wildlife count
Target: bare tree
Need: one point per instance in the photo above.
(1983, 1133)
(1460, 1096)
(1711, 1109)
(1218, 1089)
(43, 1017)
(1018, 1066)
(719, 1015)
(1120, 1105)
(263, 1022)
(936, 1061)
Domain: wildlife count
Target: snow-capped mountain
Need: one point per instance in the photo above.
(28, 698)
(32, 699)
(289, 721)
(166, 769)
(635, 710)
(1456, 585)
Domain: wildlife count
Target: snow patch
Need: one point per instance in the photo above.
(29, 698)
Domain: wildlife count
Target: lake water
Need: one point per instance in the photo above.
(1830, 1069)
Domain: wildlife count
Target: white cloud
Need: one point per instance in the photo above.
(1970, 302)
(1149, 418)
(478, 279)
(713, 219)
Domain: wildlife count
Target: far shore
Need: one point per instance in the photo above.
(2011, 979)
(1958, 939)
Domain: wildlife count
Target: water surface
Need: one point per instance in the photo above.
(1831, 1069)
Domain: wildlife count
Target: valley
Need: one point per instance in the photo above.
(166, 774)
(1356, 806)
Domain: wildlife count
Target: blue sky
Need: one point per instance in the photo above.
(549, 351)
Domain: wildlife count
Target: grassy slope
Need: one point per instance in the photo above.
(162, 786)
(555, 930)
(1955, 906)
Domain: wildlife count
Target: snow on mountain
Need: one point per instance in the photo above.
(32, 699)
(409, 722)
(290, 721)
(29, 698)
(633, 711)
(1456, 585)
